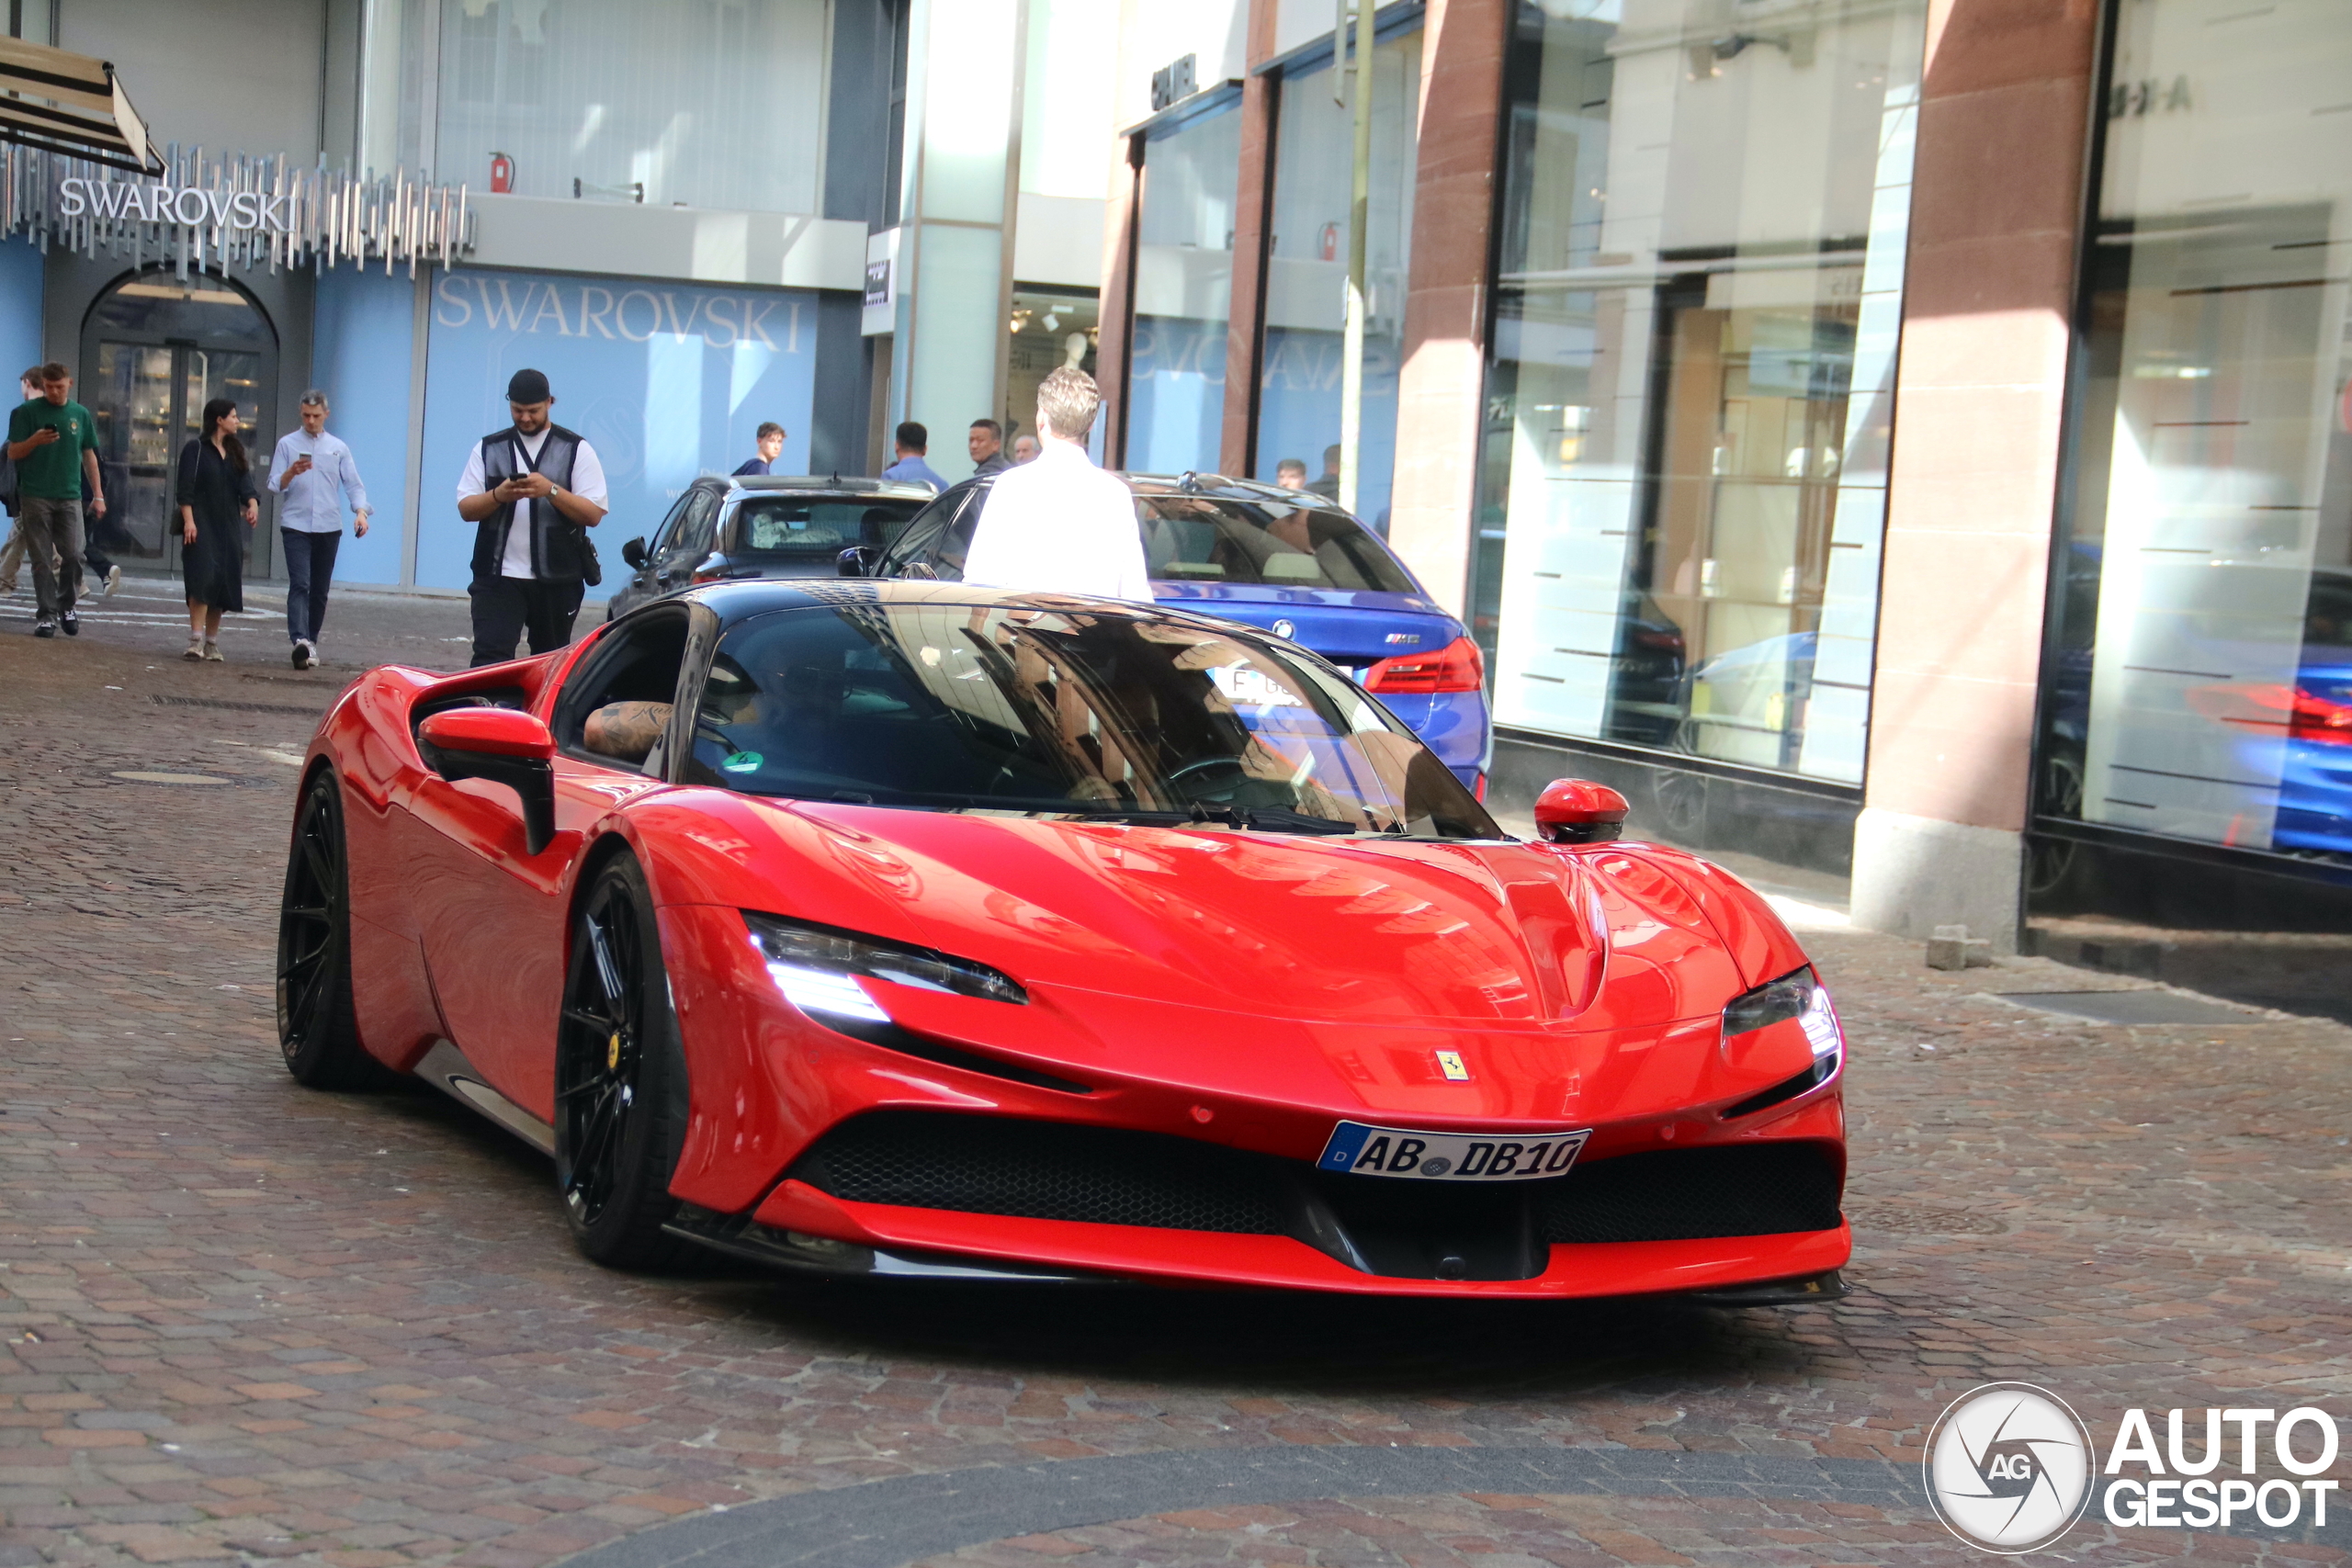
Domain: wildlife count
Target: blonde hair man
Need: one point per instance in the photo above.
(1060, 525)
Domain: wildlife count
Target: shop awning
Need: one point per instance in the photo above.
(70, 104)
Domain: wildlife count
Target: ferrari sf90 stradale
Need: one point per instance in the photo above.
(901, 928)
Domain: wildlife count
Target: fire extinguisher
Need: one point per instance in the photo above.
(1329, 242)
(502, 172)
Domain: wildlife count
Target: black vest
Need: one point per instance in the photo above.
(560, 547)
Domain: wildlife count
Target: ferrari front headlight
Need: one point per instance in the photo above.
(1798, 995)
(817, 969)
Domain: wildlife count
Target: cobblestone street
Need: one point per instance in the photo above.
(244, 1321)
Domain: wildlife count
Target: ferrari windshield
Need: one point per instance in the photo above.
(1113, 713)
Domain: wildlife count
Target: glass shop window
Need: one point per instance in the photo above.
(2200, 683)
(1307, 273)
(1690, 390)
(697, 103)
(1183, 294)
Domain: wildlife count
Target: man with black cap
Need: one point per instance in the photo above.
(534, 489)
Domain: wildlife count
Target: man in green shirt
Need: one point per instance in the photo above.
(54, 443)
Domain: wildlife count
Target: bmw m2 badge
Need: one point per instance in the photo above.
(1285, 628)
(1449, 1157)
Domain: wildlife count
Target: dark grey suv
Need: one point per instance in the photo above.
(763, 526)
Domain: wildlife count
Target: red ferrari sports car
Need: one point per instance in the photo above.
(902, 928)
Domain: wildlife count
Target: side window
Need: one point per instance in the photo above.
(947, 556)
(916, 543)
(690, 539)
(670, 522)
(615, 706)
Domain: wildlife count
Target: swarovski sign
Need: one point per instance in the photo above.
(192, 205)
(212, 213)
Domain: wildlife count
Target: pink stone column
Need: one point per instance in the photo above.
(1988, 302)
(1443, 386)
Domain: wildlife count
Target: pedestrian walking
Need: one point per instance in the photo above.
(985, 443)
(12, 553)
(770, 440)
(533, 490)
(102, 574)
(913, 440)
(53, 442)
(313, 471)
(1025, 449)
(1060, 525)
(217, 509)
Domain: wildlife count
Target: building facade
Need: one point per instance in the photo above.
(1900, 442)
(1903, 440)
(669, 206)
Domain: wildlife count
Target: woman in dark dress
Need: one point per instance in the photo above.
(217, 509)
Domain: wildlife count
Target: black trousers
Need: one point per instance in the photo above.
(506, 607)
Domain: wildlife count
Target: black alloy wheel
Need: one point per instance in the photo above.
(317, 1028)
(620, 1079)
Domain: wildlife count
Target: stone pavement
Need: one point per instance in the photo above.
(246, 1322)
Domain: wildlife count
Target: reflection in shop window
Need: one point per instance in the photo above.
(1684, 475)
(2201, 684)
(1307, 273)
(1183, 293)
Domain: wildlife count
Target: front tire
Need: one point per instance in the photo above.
(318, 1029)
(620, 1079)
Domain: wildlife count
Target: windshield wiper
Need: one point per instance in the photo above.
(1281, 819)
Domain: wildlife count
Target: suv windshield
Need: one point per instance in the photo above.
(816, 527)
(1124, 715)
(1201, 538)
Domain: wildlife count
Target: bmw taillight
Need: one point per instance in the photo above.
(1456, 667)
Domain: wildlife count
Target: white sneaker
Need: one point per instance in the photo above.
(212, 653)
(304, 654)
(114, 580)
(194, 646)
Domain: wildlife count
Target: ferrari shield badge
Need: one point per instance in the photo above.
(1450, 1063)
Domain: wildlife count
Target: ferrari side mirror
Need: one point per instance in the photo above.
(1579, 811)
(634, 553)
(856, 561)
(504, 747)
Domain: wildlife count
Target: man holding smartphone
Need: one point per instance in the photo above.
(314, 472)
(533, 490)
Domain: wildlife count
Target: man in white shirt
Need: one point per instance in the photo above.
(534, 489)
(1060, 525)
(313, 472)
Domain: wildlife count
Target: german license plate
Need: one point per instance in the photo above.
(1362, 1150)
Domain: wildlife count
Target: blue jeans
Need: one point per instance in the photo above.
(310, 573)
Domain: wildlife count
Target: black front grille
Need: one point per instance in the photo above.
(1046, 1170)
(1049, 1170)
(1685, 1194)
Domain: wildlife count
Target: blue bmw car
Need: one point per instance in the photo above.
(1287, 561)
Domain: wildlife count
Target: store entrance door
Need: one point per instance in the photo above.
(156, 351)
